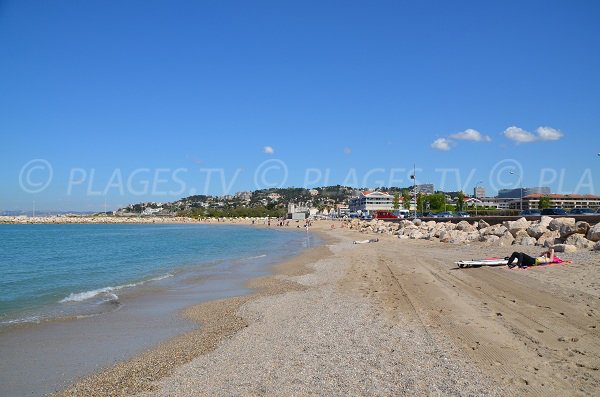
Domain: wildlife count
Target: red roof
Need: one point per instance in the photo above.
(563, 196)
(376, 191)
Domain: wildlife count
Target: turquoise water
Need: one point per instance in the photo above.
(51, 271)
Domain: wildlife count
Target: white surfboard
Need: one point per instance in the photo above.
(483, 262)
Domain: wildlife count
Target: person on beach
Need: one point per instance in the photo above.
(524, 260)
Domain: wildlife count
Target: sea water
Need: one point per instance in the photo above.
(57, 271)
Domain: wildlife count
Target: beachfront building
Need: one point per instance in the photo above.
(367, 202)
(298, 211)
(564, 201)
(497, 202)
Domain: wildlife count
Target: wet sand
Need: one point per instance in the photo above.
(395, 317)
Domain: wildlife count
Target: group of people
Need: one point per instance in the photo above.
(523, 260)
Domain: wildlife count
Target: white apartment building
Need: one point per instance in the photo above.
(371, 201)
(564, 201)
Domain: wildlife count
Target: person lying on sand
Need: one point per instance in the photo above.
(524, 260)
(373, 240)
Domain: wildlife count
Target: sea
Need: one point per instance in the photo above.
(55, 271)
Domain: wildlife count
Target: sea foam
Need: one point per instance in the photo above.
(107, 294)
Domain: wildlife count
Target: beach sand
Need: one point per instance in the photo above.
(395, 317)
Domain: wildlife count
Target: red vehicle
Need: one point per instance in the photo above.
(385, 215)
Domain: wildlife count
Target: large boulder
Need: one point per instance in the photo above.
(537, 230)
(515, 226)
(473, 236)
(490, 239)
(416, 234)
(496, 230)
(567, 229)
(594, 233)
(578, 241)
(449, 225)
(555, 224)
(596, 246)
(394, 227)
(506, 240)
(482, 224)
(548, 239)
(545, 220)
(522, 238)
(564, 248)
(453, 236)
(464, 226)
(529, 241)
(582, 227)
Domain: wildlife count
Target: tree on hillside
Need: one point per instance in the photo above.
(544, 202)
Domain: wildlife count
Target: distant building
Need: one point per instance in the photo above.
(479, 192)
(516, 193)
(426, 188)
(564, 201)
(313, 192)
(244, 196)
(371, 201)
(497, 202)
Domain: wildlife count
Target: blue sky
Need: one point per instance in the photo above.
(120, 102)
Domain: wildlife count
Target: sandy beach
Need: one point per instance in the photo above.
(395, 317)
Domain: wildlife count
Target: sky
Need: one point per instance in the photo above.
(106, 103)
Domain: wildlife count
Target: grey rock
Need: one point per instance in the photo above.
(537, 230)
(578, 241)
(555, 224)
(515, 226)
(594, 233)
(564, 248)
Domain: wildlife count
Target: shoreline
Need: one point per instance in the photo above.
(215, 320)
(148, 315)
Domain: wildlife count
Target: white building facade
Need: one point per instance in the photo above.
(367, 202)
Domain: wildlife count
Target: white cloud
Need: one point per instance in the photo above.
(268, 150)
(471, 135)
(548, 134)
(441, 144)
(519, 135)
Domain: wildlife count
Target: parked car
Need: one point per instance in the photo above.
(430, 214)
(462, 214)
(385, 215)
(582, 211)
(445, 214)
(598, 211)
(554, 211)
(531, 212)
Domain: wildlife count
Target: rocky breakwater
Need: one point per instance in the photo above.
(91, 219)
(562, 234)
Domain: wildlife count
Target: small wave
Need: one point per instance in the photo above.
(31, 319)
(257, 257)
(107, 294)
